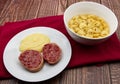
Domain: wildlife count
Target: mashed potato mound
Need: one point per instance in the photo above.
(34, 41)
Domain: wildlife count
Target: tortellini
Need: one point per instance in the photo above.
(89, 25)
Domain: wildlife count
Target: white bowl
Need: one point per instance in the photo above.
(87, 7)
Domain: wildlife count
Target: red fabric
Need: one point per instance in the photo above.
(81, 54)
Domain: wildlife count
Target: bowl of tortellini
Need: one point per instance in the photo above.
(89, 22)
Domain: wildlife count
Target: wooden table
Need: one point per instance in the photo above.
(17, 10)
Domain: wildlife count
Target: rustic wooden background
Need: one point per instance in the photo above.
(17, 10)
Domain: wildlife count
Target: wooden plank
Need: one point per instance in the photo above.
(19, 10)
(2, 4)
(96, 75)
(115, 73)
(48, 8)
(98, 1)
(24, 8)
(14, 11)
(4, 12)
(71, 76)
(34, 9)
(62, 6)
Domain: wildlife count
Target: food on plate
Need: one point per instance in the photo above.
(34, 41)
(89, 25)
(37, 48)
(32, 60)
(51, 53)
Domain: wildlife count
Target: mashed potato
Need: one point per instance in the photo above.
(34, 41)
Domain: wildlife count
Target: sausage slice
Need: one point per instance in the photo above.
(32, 60)
(51, 53)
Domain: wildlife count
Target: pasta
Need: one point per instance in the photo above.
(89, 25)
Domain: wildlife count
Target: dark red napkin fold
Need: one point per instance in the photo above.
(108, 51)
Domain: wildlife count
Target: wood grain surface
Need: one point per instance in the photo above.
(17, 10)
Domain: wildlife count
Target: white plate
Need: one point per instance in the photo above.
(11, 54)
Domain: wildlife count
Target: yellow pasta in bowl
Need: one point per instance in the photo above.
(89, 25)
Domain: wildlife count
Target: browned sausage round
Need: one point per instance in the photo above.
(31, 60)
(51, 53)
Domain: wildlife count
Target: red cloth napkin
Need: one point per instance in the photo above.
(81, 54)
